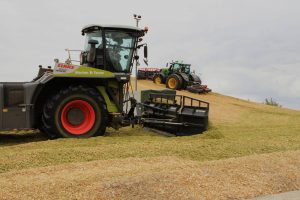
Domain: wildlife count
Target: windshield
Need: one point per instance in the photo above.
(187, 69)
(176, 67)
(93, 35)
(119, 49)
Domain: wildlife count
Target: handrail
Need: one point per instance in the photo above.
(173, 98)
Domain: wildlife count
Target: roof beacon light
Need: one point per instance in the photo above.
(146, 29)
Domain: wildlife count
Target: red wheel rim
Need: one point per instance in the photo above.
(87, 122)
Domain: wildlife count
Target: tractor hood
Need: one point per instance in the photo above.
(70, 70)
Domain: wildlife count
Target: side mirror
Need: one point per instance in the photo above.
(146, 51)
(146, 61)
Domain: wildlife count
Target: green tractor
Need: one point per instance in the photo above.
(81, 101)
(179, 76)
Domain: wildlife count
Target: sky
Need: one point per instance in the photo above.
(244, 48)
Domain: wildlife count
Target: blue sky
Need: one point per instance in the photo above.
(244, 48)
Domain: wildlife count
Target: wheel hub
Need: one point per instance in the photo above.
(78, 117)
(158, 80)
(75, 116)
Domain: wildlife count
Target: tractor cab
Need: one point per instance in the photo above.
(176, 67)
(111, 48)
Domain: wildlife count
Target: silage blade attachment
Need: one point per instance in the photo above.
(179, 115)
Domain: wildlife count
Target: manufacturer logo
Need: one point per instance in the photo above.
(65, 66)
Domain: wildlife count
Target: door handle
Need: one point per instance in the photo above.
(25, 105)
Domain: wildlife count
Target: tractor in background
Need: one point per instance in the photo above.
(179, 76)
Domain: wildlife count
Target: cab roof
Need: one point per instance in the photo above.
(180, 63)
(97, 26)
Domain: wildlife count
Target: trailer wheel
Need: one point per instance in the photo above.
(76, 111)
(174, 82)
(157, 79)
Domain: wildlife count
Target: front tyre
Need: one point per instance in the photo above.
(76, 112)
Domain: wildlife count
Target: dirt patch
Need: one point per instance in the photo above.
(157, 178)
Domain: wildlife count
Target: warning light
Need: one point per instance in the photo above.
(146, 29)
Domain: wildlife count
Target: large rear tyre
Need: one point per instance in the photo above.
(75, 112)
(174, 82)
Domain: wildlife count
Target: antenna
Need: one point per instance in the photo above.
(137, 18)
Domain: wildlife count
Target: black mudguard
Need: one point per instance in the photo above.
(195, 78)
(184, 76)
(163, 77)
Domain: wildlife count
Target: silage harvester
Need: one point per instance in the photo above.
(82, 100)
